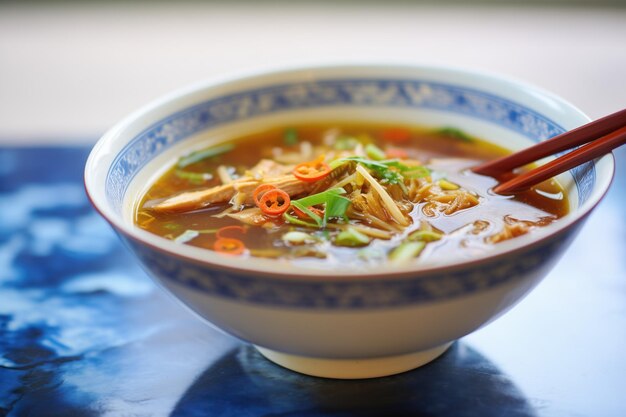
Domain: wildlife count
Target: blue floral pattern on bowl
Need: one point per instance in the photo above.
(394, 93)
(300, 292)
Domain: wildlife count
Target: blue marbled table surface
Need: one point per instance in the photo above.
(84, 331)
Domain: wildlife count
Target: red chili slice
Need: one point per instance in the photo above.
(227, 229)
(274, 202)
(304, 216)
(228, 246)
(396, 153)
(312, 171)
(259, 191)
(396, 135)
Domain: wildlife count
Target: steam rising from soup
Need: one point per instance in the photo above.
(343, 194)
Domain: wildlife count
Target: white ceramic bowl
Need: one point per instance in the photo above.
(341, 323)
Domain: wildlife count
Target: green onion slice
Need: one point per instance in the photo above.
(335, 205)
(455, 133)
(290, 136)
(193, 177)
(351, 237)
(374, 152)
(424, 236)
(198, 156)
(406, 251)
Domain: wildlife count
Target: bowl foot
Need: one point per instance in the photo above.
(353, 368)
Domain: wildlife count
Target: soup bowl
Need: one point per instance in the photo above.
(341, 322)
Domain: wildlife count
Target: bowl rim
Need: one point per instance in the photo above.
(268, 268)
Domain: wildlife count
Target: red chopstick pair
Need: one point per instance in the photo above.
(595, 139)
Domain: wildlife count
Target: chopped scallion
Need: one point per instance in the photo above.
(335, 205)
(198, 156)
(424, 236)
(417, 172)
(374, 152)
(371, 254)
(455, 133)
(351, 237)
(383, 168)
(294, 220)
(171, 226)
(193, 177)
(290, 136)
(317, 219)
(447, 185)
(406, 251)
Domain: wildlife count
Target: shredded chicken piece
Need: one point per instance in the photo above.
(224, 175)
(194, 200)
(514, 228)
(238, 192)
(238, 201)
(327, 182)
(305, 153)
(479, 226)
(252, 216)
(347, 180)
(306, 150)
(330, 136)
(376, 222)
(268, 168)
(510, 231)
(462, 200)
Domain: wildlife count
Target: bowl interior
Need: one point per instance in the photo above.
(137, 151)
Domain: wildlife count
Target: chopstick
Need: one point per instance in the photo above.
(568, 161)
(598, 138)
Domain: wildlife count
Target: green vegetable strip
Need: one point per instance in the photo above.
(417, 172)
(455, 133)
(193, 177)
(290, 137)
(171, 226)
(374, 152)
(320, 198)
(382, 168)
(198, 156)
(351, 237)
(447, 185)
(317, 219)
(335, 205)
(406, 251)
(294, 220)
(424, 236)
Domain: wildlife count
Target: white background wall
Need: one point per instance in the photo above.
(68, 72)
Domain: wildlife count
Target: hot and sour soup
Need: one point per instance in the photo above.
(343, 194)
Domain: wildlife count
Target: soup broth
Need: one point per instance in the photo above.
(343, 194)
